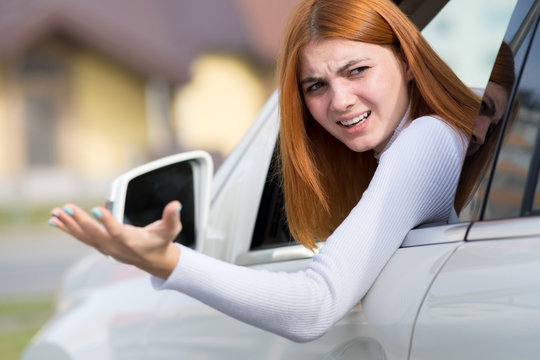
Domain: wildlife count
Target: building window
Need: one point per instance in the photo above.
(41, 130)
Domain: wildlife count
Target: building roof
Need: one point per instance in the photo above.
(157, 37)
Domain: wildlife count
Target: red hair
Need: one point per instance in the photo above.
(314, 164)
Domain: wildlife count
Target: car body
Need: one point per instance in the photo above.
(468, 289)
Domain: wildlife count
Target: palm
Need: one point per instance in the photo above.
(149, 248)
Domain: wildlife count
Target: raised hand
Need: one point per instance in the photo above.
(150, 248)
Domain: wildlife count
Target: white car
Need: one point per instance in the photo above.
(466, 290)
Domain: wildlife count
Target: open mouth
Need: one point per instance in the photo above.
(356, 121)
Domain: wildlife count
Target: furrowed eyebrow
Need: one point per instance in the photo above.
(313, 79)
(349, 64)
(310, 80)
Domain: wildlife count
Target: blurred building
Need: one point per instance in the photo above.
(89, 89)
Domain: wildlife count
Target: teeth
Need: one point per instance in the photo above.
(357, 120)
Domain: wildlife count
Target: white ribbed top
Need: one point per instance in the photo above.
(414, 183)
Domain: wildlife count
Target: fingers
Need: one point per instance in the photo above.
(63, 218)
(171, 217)
(169, 225)
(106, 218)
(149, 248)
(77, 223)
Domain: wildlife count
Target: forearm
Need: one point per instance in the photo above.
(297, 305)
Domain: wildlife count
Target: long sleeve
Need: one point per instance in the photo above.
(414, 183)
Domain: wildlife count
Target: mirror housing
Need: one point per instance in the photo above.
(138, 196)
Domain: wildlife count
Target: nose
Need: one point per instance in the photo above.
(480, 129)
(343, 97)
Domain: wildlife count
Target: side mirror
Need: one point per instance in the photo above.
(138, 196)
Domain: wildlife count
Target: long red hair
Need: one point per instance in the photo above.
(316, 167)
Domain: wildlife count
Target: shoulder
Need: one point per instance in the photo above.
(429, 136)
(430, 123)
(433, 129)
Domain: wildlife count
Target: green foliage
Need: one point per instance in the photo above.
(32, 214)
(20, 319)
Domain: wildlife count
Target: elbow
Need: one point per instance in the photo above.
(305, 334)
(302, 338)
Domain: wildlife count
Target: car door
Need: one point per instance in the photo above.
(485, 301)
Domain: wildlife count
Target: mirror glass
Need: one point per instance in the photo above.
(147, 195)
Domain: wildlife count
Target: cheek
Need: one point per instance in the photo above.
(316, 109)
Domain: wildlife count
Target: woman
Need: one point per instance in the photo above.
(374, 131)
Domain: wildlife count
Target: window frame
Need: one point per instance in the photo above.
(527, 204)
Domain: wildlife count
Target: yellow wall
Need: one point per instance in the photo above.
(3, 125)
(108, 129)
(103, 129)
(216, 107)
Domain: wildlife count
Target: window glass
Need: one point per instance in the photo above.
(466, 35)
(41, 77)
(509, 182)
(147, 195)
(536, 200)
(271, 227)
(512, 165)
(41, 113)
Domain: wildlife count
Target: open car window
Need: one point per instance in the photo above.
(271, 229)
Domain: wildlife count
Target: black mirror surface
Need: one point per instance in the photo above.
(147, 195)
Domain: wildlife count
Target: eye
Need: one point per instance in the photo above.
(486, 109)
(359, 70)
(314, 87)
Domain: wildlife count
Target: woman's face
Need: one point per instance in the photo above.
(491, 111)
(357, 91)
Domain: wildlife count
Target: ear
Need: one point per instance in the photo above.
(408, 72)
(406, 67)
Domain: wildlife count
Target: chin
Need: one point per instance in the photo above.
(359, 149)
(360, 146)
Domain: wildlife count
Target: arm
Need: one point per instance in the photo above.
(415, 183)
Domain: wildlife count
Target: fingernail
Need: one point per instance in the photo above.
(55, 213)
(50, 222)
(96, 213)
(69, 210)
(179, 209)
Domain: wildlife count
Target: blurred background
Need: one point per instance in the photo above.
(90, 89)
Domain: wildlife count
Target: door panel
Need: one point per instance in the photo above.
(380, 326)
(485, 303)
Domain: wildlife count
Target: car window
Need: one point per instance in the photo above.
(510, 185)
(447, 33)
(271, 227)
